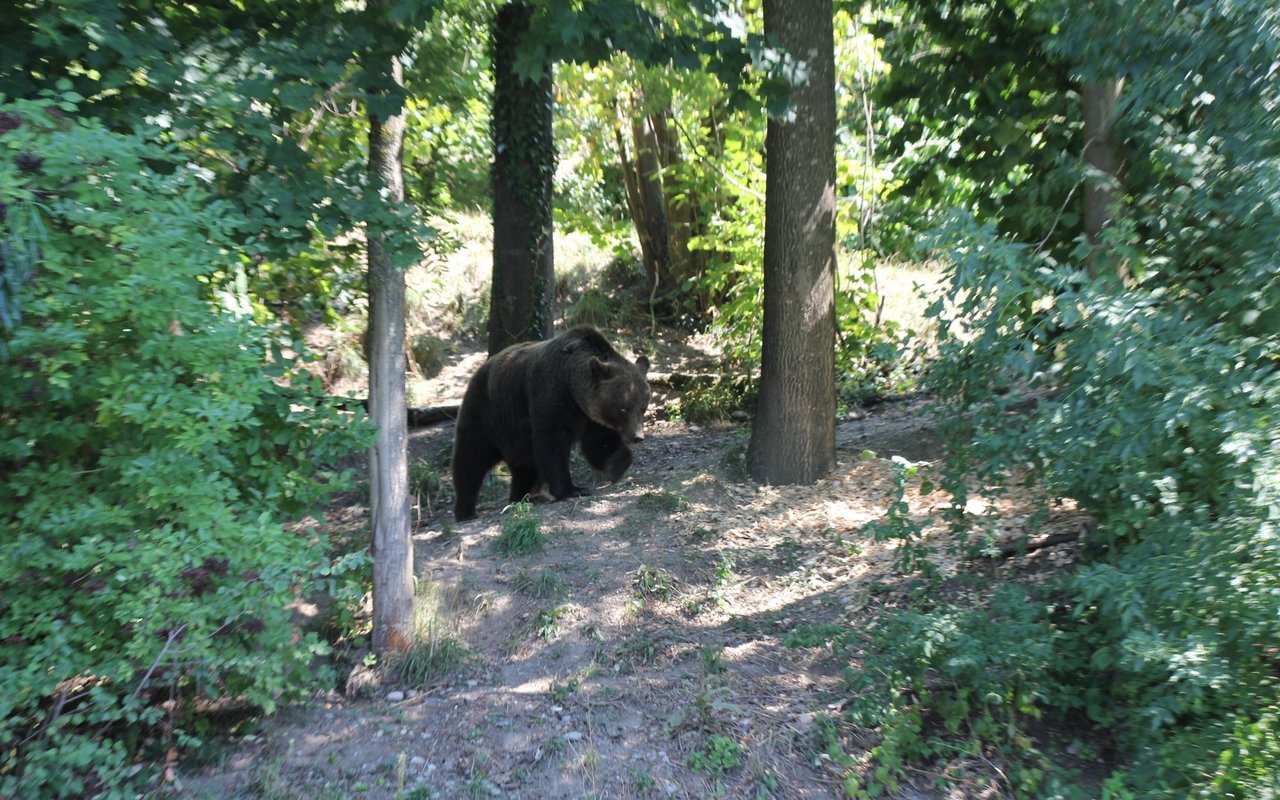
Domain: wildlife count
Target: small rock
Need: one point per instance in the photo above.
(804, 723)
(412, 693)
(395, 697)
(573, 736)
(738, 415)
(431, 768)
(557, 709)
(417, 762)
(473, 684)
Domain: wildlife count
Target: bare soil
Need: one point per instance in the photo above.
(676, 588)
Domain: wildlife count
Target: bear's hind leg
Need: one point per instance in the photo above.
(471, 462)
(524, 482)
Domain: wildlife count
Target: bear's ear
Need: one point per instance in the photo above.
(599, 369)
(643, 363)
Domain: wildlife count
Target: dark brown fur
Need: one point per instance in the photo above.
(531, 403)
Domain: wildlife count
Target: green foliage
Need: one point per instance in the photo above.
(717, 402)
(1155, 413)
(718, 755)
(521, 530)
(152, 444)
(956, 680)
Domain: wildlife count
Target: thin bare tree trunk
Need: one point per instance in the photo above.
(682, 214)
(648, 173)
(1104, 154)
(393, 578)
(793, 438)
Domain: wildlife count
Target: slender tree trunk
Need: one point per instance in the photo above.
(648, 173)
(682, 212)
(793, 439)
(524, 163)
(1104, 154)
(393, 578)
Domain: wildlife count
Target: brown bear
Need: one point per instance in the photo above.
(531, 403)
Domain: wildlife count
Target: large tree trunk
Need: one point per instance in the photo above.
(793, 439)
(388, 460)
(1104, 155)
(524, 163)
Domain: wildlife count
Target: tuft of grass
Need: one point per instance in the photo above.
(662, 500)
(653, 582)
(427, 354)
(435, 651)
(546, 623)
(563, 691)
(521, 530)
(428, 485)
(591, 308)
(541, 586)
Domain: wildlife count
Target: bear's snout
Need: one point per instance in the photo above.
(636, 438)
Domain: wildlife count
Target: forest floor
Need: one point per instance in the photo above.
(656, 616)
(672, 638)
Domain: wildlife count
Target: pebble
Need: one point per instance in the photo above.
(557, 709)
(412, 693)
(573, 736)
(395, 697)
(417, 762)
(473, 684)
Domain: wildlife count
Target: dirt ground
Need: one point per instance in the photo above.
(639, 654)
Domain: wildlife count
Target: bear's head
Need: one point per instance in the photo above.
(619, 396)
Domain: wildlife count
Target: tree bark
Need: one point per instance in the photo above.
(793, 438)
(1103, 153)
(648, 167)
(524, 163)
(393, 579)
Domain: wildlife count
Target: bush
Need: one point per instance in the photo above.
(148, 460)
(1155, 411)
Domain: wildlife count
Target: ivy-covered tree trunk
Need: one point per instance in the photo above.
(388, 459)
(524, 163)
(793, 438)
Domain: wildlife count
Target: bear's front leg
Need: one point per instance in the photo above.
(551, 448)
(605, 451)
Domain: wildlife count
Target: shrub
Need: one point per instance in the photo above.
(149, 459)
